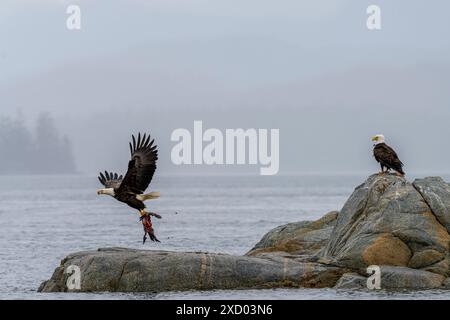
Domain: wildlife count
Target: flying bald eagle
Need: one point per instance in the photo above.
(386, 156)
(130, 189)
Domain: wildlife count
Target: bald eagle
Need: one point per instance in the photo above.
(386, 156)
(130, 189)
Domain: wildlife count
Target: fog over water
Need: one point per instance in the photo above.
(309, 68)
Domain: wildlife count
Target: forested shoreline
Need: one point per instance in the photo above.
(34, 149)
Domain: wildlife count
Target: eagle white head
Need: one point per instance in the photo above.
(379, 138)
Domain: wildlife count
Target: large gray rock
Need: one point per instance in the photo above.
(386, 221)
(407, 278)
(394, 278)
(351, 281)
(300, 238)
(446, 284)
(436, 193)
(126, 270)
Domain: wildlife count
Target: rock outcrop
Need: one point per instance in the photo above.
(435, 192)
(394, 278)
(401, 227)
(127, 270)
(299, 238)
(387, 221)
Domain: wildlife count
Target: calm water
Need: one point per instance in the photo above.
(42, 219)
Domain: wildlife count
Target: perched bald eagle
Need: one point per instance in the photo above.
(386, 156)
(130, 189)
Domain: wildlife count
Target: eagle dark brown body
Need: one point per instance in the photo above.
(387, 158)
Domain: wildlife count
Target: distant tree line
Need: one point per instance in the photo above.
(41, 150)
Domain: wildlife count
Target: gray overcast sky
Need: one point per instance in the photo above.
(310, 68)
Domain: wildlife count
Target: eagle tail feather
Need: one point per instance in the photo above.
(148, 196)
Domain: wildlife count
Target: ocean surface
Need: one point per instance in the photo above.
(44, 218)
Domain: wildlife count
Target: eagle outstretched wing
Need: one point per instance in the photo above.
(110, 179)
(142, 165)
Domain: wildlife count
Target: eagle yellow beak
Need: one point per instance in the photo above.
(375, 138)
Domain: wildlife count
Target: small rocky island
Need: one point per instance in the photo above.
(402, 227)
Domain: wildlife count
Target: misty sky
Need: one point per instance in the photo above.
(310, 68)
